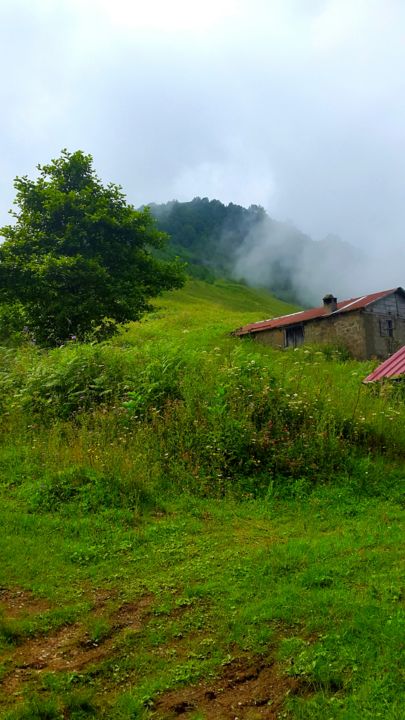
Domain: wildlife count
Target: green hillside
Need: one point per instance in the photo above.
(208, 310)
(198, 526)
(217, 240)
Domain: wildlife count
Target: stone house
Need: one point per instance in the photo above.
(368, 326)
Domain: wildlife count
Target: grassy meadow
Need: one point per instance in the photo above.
(197, 526)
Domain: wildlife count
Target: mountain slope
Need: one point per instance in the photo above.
(245, 243)
(202, 314)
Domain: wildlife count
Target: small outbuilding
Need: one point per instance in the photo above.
(368, 326)
(391, 369)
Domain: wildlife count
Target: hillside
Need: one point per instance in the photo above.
(197, 526)
(219, 240)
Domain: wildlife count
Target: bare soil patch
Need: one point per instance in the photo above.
(247, 690)
(16, 604)
(66, 650)
(131, 616)
(70, 648)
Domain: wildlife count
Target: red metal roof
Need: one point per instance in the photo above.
(393, 367)
(314, 313)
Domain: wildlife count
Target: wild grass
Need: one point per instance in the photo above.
(252, 495)
(307, 580)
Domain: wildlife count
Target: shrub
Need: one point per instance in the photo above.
(70, 380)
(245, 432)
(158, 382)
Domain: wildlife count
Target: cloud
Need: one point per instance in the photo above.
(158, 15)
(297, 106)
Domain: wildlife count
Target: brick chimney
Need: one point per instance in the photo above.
(330, 303)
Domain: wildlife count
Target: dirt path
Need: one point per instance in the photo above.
(247, 690)
(69, 648)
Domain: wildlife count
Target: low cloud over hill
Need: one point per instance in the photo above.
(246, 243)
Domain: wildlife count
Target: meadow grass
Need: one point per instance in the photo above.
(305, 582)
(181, 498)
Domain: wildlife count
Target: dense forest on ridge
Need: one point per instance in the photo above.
(218, 240)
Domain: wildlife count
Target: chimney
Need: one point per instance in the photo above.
(330, 303)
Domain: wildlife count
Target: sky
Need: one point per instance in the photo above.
(296, 105)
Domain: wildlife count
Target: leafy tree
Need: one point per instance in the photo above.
(79, 254)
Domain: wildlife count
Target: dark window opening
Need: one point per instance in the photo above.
(294, 336)
(386, 327)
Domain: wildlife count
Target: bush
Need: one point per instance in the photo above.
(157, 383)
(72, 379)
(162, 417)
(244, 432)
(79, 378)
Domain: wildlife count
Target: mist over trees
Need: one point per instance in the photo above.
(246, 243)
(207, 233)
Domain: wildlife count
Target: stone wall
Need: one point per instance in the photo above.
(275, 337)
(347, 330)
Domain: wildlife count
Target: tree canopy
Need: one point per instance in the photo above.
(78, 253)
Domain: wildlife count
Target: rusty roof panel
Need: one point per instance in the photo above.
(314, 313)
(393, 367)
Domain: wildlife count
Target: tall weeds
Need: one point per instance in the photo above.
(114, 425)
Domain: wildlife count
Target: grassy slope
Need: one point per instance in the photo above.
(209, 311)
(107, 610)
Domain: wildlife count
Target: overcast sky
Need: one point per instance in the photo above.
(297, 105)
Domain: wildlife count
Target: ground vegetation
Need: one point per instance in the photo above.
(198, 526)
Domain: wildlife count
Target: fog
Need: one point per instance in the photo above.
(281, 258)
(297, 105)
